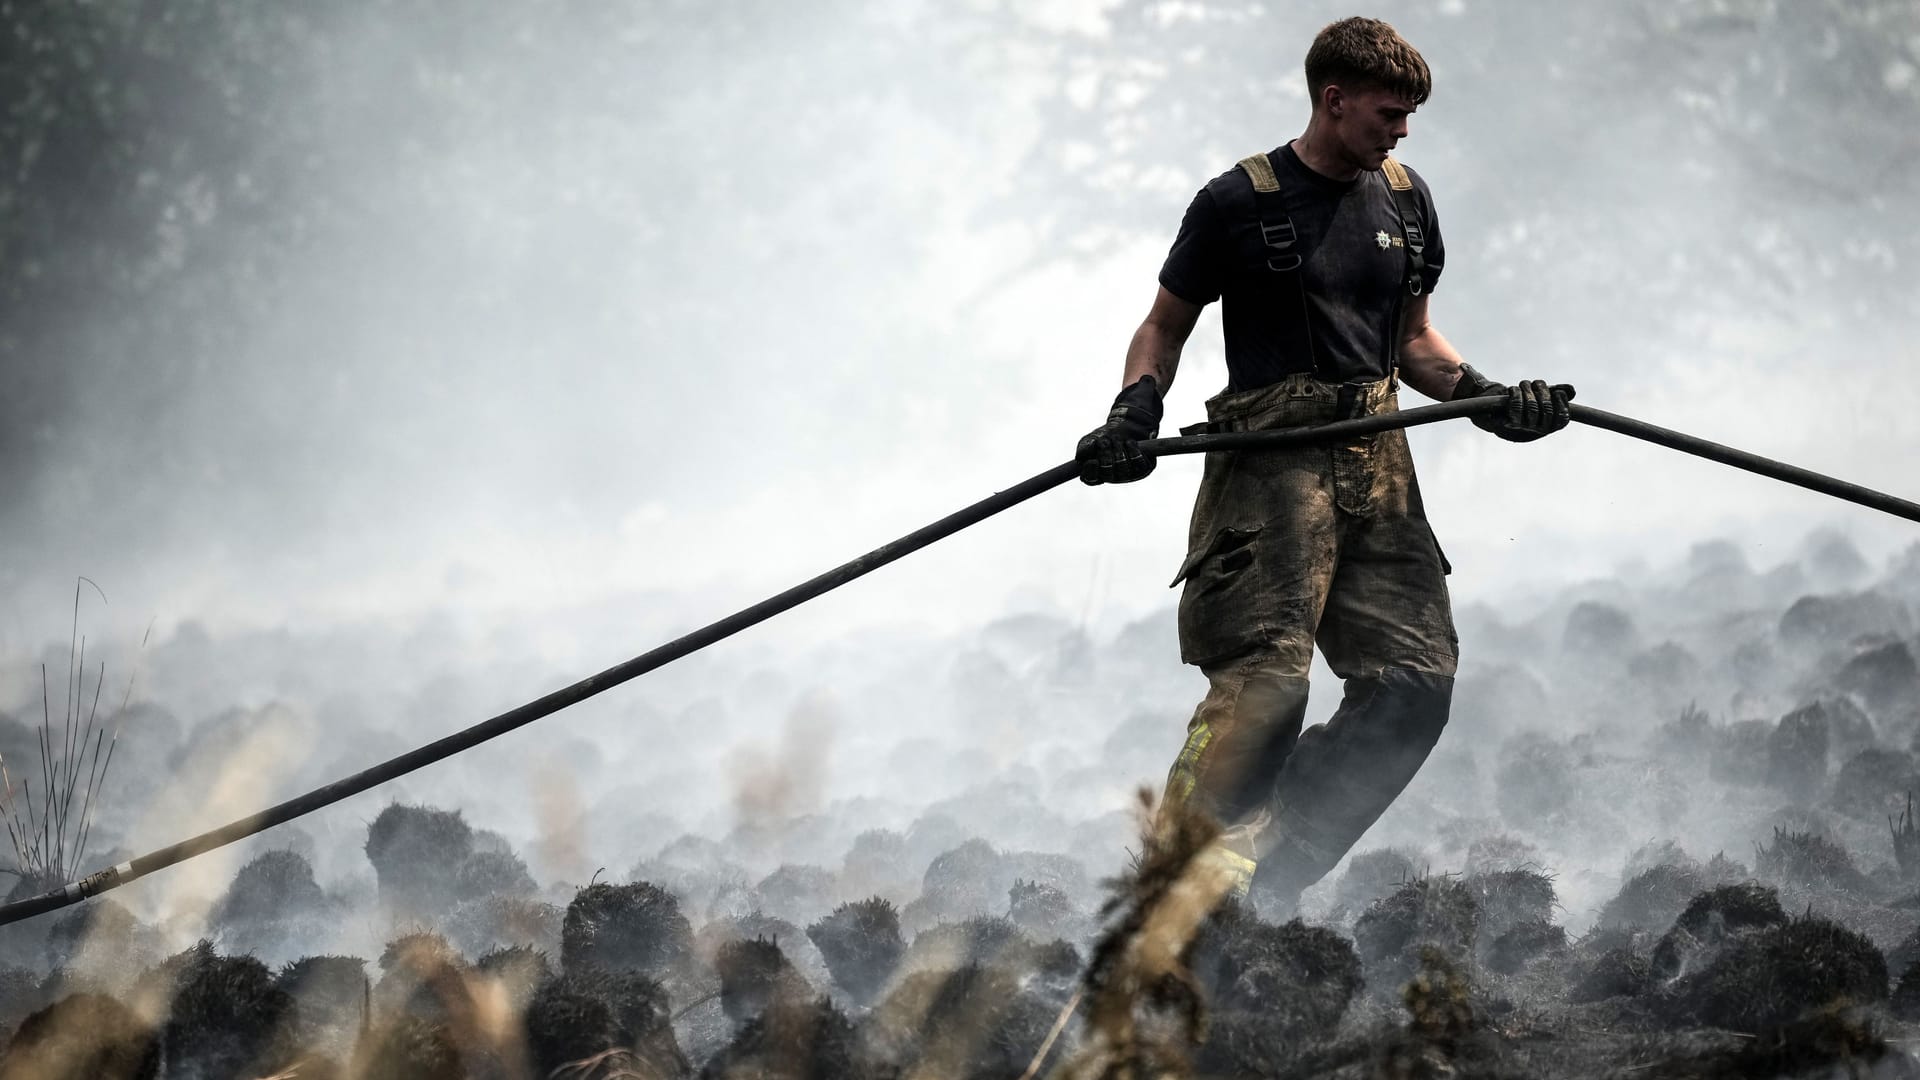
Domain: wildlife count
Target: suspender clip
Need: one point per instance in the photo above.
(1281, 238)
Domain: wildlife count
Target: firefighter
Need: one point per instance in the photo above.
(1324, 254)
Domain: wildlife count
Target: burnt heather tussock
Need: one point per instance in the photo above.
(1667, 834)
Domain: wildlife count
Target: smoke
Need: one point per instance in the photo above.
(396, 366)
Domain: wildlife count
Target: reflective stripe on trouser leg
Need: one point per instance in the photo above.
(1238, 740)
(1344, 774)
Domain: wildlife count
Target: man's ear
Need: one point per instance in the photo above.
(1333, 98)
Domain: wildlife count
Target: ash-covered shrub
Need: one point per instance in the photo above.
(1884, 676)
(1616, 972)
(1431, 911)
(986, 940)
(1831, 1042)
(331, 997)
(273, 906)
(1594, 629)
(1798, 818)
(1058, 961)
(809, 1039)
(706, 890)
(796, 893)
(1874, 783)
(520, 970)
(1534, 779)
(1721, 870)
(416, 852)
(975, 1022)
(877, 863)
(19, 995)
(1690, 735)
(1822, 622)
(1446, 1033)
(965, 881)
(273, 886)
(1439, 1002)
(1044, 911)
(582, 1014)
(1709, 921)
(980, 940)
(408, 1047)
(1906, 994)
(1668, 665)
(83, 1037)
(1808, 859)
(754, 975)
(1740, 753)
(1521, 941)
(1508, 898)
(636, 927)
(862, 946)
(1653, 898)
(1849, 729)
(493, 874)
(1371, 875)
(225, 1015)
(1299, 979)
(420, 974)
(801, 952)
(930, 834)
(1773, 975)
(1665, 852)
(1062, 872)
(1901, 956)
(100, 939)
(497, 922)
(1797, 753)
(1496, 852)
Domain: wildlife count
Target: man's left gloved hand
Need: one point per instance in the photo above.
(1108, 454)
(1533, 408)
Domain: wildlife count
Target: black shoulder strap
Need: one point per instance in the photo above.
(1284, 256)
(1401, 185)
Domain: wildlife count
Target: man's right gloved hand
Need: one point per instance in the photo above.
(1533, 410)
(1109, 454)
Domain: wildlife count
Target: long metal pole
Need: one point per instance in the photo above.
(468, 738)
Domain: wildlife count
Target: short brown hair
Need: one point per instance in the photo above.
(1355, 52)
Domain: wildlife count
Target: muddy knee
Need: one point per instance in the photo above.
(1238, 742)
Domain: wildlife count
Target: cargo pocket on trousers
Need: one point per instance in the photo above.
(1219, 611)
(1234, 546)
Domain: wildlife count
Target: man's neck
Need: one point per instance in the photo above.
(1319, 152)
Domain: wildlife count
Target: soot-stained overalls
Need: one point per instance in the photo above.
(1298, 546)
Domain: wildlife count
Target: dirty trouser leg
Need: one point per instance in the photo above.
(1387, 630)
(1260, 562)
(1342, 775)
(1236, 743)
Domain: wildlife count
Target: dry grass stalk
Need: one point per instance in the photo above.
(50, 830)
(1144, 1008)
(619, 1063)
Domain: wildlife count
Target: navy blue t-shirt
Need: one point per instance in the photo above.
(1354, 273)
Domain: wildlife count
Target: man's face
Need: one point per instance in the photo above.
(1369, 122)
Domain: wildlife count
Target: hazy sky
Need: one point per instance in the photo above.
(700, 317)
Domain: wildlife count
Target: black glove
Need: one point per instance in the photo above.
(1108, 454)
(1533, 408)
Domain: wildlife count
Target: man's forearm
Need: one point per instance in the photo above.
(1153, 351)
(1430, 364)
